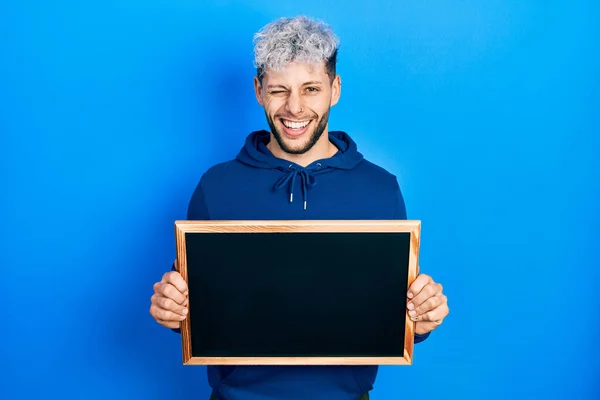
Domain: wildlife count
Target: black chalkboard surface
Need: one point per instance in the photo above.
(297, 292)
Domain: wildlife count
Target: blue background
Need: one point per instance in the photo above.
(488, 112)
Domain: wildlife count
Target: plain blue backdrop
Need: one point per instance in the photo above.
(487, 111)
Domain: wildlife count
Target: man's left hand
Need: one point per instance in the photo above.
(426, 304)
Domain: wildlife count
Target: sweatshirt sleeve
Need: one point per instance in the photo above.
(400, 213)
(197, 210)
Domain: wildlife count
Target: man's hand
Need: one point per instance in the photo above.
(169, 301)
(427, 305)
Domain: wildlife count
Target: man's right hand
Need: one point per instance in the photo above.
(169, 301)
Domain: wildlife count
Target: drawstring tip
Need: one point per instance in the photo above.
(305, 205)
(291, 197)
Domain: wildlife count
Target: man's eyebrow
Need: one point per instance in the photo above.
(313, 83)
(276, 87)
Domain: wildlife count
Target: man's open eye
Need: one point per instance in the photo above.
(312, 89)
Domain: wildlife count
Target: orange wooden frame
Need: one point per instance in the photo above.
(411, 226)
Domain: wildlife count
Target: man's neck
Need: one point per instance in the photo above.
(321, 150)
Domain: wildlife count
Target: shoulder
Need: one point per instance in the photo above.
(221, 168)
(376, 174)
(218, 176)
(221, 172)
(376, 169)
(215, 176)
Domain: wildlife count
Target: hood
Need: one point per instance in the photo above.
(255, 153)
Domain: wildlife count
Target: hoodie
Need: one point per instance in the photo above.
(258, 186)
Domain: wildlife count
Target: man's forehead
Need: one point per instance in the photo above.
(297, 70)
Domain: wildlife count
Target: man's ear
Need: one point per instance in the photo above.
(258, 91)
(336, 90)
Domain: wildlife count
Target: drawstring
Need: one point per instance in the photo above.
(308, 181)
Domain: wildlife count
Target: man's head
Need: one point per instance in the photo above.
(296, 80)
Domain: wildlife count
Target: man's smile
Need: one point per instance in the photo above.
(295, 128)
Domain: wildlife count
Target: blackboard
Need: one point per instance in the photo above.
(297, 292)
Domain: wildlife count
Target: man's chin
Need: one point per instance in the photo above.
(294, 145)
(299, 144)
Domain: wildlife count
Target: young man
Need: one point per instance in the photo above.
(297, 170)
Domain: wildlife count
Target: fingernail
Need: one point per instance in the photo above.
(410, 295)
(186, 293)
(412, 313)
(185, 311)
(411, 306)
(182, 317)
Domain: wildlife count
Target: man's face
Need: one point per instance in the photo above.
(297, 100)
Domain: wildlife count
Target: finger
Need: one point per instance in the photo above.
(430, 290)
(165, 315)
(175, 279)
(436, 315)
(169, 291)
(168, 304)
(428, 305)
(418, 285)
(172, 325)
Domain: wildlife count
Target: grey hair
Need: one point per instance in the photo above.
(295, 39)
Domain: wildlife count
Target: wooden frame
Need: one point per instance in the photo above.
(183, 228)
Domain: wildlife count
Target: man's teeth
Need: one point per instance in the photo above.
(295, 125)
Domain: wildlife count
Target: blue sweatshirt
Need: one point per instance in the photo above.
(258, 186)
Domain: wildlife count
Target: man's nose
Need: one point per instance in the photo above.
(294, 104)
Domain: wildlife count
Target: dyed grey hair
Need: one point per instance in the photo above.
(295, 39)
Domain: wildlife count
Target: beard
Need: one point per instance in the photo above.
(312, 140)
